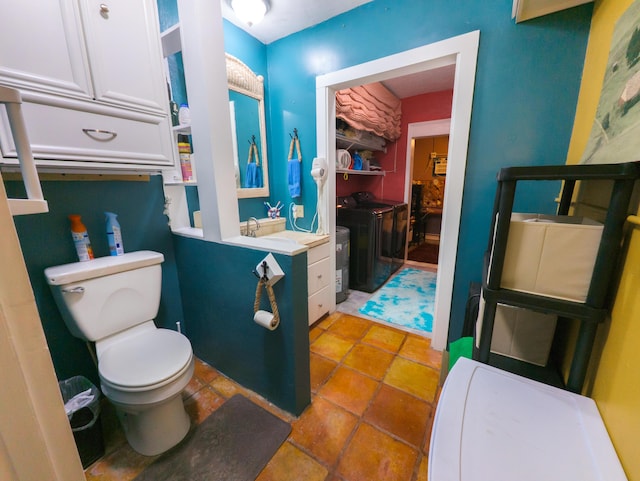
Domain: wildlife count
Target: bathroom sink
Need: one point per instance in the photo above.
(284, 240)
(304, 238)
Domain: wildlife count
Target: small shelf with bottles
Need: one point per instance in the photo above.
(172, 44)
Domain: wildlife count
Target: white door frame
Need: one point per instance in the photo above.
(461, 51)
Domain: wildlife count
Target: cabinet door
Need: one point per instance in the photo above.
(123, 44)
(42, 48)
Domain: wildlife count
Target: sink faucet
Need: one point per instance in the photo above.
(252, 232)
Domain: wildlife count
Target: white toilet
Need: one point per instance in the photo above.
(143, 369)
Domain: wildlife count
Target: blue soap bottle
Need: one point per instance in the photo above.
(114, 235)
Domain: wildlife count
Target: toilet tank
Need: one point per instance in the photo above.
(103, 296)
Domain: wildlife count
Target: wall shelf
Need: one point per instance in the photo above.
(527, 9)
(360, 172)
(182, 129)
(171, 40)
(181, 182)
(344, 142)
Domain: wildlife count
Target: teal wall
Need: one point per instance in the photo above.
(218, 291)
(527, 82)
(46, 241)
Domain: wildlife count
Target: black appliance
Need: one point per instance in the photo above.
(400, 223)
(369, 228)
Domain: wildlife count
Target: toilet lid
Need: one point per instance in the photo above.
(494, 425)
(146, 359)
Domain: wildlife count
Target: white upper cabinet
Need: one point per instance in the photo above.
(92, 82)
(42, 48)
(122, 37)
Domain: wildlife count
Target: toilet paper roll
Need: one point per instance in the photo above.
(266, 319)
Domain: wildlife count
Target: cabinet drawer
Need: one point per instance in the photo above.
(317, 253)
(318, 275)
(58, 132)
(319, 303)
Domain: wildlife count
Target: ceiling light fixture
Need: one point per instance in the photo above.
(250, 12)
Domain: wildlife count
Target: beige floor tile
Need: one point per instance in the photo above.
(369, 360)
(291, 464)
(384, 338)
(331, 346)
(323, 430)
(414, 378)
(349, 389)
(373, 455)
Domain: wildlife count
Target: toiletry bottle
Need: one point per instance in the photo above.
(184, 149)
(80, 238)
(114, 235)
(184, 115)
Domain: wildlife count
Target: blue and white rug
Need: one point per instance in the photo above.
(406, 300)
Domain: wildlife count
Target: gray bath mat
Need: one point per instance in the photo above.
(233, 444)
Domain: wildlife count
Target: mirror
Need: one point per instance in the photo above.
(246, 104)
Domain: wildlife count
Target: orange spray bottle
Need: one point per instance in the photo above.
(80, 238)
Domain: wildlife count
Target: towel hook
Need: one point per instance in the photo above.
(265, 267)
(295, 134)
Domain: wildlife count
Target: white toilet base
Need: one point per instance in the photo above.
(154, 430)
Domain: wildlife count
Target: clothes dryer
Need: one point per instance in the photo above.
(371, 242)
(398, 239)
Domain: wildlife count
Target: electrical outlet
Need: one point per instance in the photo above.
(298, 211)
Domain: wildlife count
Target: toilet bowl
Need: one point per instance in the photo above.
(143, 369)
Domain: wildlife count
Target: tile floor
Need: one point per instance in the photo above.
(374, 391)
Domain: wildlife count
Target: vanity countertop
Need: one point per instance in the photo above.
(305, 238)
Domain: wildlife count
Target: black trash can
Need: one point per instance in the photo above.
(82, 403)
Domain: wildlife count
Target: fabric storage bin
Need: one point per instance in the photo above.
(520, 334)
(551, 255)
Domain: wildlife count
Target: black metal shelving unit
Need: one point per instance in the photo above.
(594, 309)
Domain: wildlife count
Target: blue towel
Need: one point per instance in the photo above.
(253, 178)
(293, 174)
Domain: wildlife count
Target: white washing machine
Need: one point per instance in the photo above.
(491, 425)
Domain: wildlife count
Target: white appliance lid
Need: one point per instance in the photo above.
(146, 359)
(102, 266)
(494, 425)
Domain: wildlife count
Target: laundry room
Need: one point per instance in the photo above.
(390, 179)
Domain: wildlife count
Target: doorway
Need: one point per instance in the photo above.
(425, 186)
(460, 51)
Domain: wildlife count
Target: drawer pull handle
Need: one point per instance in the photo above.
(104, 8)
(319, 276)
(93, 132)
(73, 290)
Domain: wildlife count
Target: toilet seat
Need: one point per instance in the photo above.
(143, 362)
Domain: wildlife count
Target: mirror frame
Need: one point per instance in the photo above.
(243, 80)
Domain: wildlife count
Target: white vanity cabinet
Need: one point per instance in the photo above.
(92, 82)
(318, 272)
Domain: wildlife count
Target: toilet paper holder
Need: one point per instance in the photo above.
(268, 273)
(269, 270)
